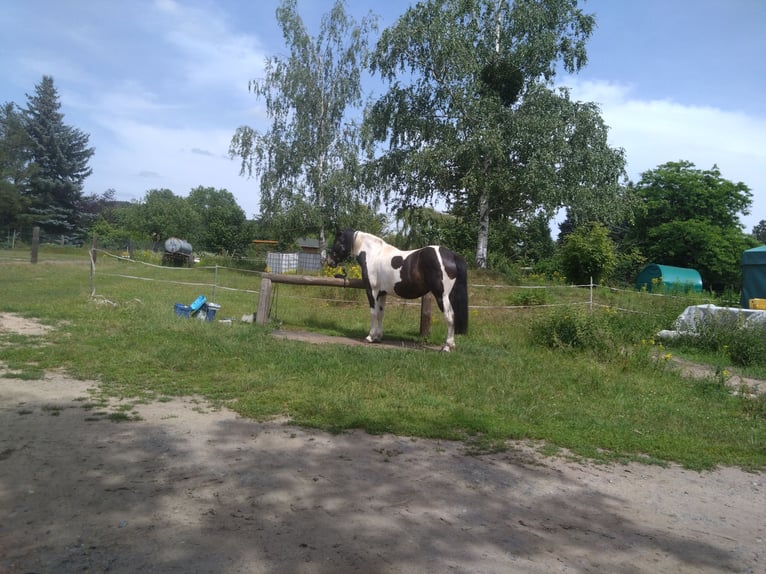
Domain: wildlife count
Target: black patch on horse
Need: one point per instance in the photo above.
(449, 262)
(362, 260)
(420, 273)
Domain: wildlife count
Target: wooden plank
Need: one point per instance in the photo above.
(313, 280)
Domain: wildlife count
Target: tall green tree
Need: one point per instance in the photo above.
(690, 218)
(308, 160)
(471, 116)
(418, 227)
(223, 226)
(588, 254)
(759, 231)
(60, 155)
(161, 214)
(15, 167)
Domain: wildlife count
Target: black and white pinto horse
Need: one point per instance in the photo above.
(408, 274)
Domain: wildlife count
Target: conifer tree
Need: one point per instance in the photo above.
(60, 155)
(15, 168)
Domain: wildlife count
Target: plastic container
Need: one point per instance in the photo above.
(175, 245)
(183, 310)
(207, 311)
(198, 303)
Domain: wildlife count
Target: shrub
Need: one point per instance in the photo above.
(588, 253)
(572, 328)
(548, 270)
(505, 266)
(748, 346)
(714, 334)
(744, 344)
(353, 271)
(528, 297)
(611, 334)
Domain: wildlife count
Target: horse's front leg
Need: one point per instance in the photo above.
(376, 319)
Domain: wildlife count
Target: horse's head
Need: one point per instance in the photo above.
(342, 247)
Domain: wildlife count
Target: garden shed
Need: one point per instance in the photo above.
(669, 278)
(753, 275)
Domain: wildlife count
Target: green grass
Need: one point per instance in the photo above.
(608, 401)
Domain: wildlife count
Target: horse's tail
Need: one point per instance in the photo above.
(459, 296)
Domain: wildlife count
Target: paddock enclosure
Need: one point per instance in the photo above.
(284, 297)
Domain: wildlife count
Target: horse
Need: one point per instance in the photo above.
(408, 274)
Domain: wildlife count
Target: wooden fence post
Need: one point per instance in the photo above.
(264, 301)
(35, 243)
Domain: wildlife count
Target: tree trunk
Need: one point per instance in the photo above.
(483, 238)
(322, 246)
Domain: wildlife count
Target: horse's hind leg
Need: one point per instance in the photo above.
(376, 319)
(449, 318)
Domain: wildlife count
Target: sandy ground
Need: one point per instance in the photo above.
(191, 489)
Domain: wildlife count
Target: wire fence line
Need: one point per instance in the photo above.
(218, 284)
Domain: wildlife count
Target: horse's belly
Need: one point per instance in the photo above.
(410, 290)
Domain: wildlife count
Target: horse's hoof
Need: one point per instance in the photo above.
(371, 340)
(446, 349)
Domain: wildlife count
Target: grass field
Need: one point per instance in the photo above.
(595, 383)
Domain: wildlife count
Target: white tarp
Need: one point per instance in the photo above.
(693, 316)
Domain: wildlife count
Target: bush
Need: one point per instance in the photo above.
(714, 334)
(352, 271)
(588, 253)
(503, 265)
(743, 344)
(747, 346)
(528, 297)
(606, 331)
(572, 328)
(550, 270)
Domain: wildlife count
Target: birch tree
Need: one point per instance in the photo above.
(308, 159)
(471, 116)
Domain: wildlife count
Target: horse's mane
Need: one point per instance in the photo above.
(369, 238)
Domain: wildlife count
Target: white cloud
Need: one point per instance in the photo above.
(210, 52)
(144, 156)
(654, 132)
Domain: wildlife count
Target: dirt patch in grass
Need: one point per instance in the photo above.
(736, 383)
(16, 324)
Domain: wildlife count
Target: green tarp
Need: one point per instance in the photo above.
(669, 278)
(753, 275)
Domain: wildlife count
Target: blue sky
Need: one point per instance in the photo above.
(161, 85)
